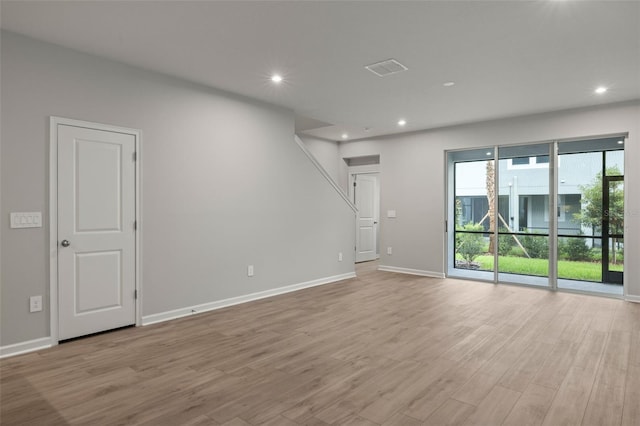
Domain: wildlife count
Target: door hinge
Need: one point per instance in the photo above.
(135, 225)
(135, 156)
(135, 294)
(446, 226)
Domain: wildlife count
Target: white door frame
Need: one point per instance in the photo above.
(53, 214)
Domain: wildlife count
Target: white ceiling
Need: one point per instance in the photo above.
(506, 58)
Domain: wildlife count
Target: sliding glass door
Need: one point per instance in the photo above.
(548, 214)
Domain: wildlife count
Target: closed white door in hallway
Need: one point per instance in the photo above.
(365, 197)
(96, 230)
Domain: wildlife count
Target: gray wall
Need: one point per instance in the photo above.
(326, 152)
(224, 185)
(412, 177)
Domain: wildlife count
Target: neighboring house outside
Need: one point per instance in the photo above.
(523, 200)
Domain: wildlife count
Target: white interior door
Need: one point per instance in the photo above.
(96, 230)
(365, 197)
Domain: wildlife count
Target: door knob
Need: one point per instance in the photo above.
(65, 243)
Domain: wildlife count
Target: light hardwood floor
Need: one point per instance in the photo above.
(382, 349)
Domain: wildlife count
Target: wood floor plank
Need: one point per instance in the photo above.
(573, 395)
(631, 409)
(236, 422)
(526, 367)
(441, 389)
(336, 391)
(494, 408)
(532, 407)
(400, 419)
(277, 421)
(606, 402)
(451, 413)
(198, 421)
(381, 349)
(477, 388)
(313, 422)
(555, 368)
(385, 406)
(357, 421)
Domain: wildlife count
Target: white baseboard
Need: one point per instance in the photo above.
(218, 304)
(24, 347)
(630, 298)
(411, 271)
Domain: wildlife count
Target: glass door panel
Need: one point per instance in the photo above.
(613, 223)
(590, 211)
(523, 214)
(580, 230)
(473, 241)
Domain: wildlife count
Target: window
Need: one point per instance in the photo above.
(562, 208)
(520, 161)
(539, 161)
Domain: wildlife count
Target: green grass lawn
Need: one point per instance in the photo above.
(585, 271)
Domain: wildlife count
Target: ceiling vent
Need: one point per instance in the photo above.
(385, 68)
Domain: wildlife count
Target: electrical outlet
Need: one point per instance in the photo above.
(35, 303)
(340, 257)
(250, 270)
(389, 251)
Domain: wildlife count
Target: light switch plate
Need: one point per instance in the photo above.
(250, 270)
(26, 220)
(391, 213)
(35, 303)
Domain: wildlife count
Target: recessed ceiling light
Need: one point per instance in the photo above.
(448, 84)
(402, 122)
(620, 142)
(489, 152)
(345, 136)
(600, 90)
(276, 78)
